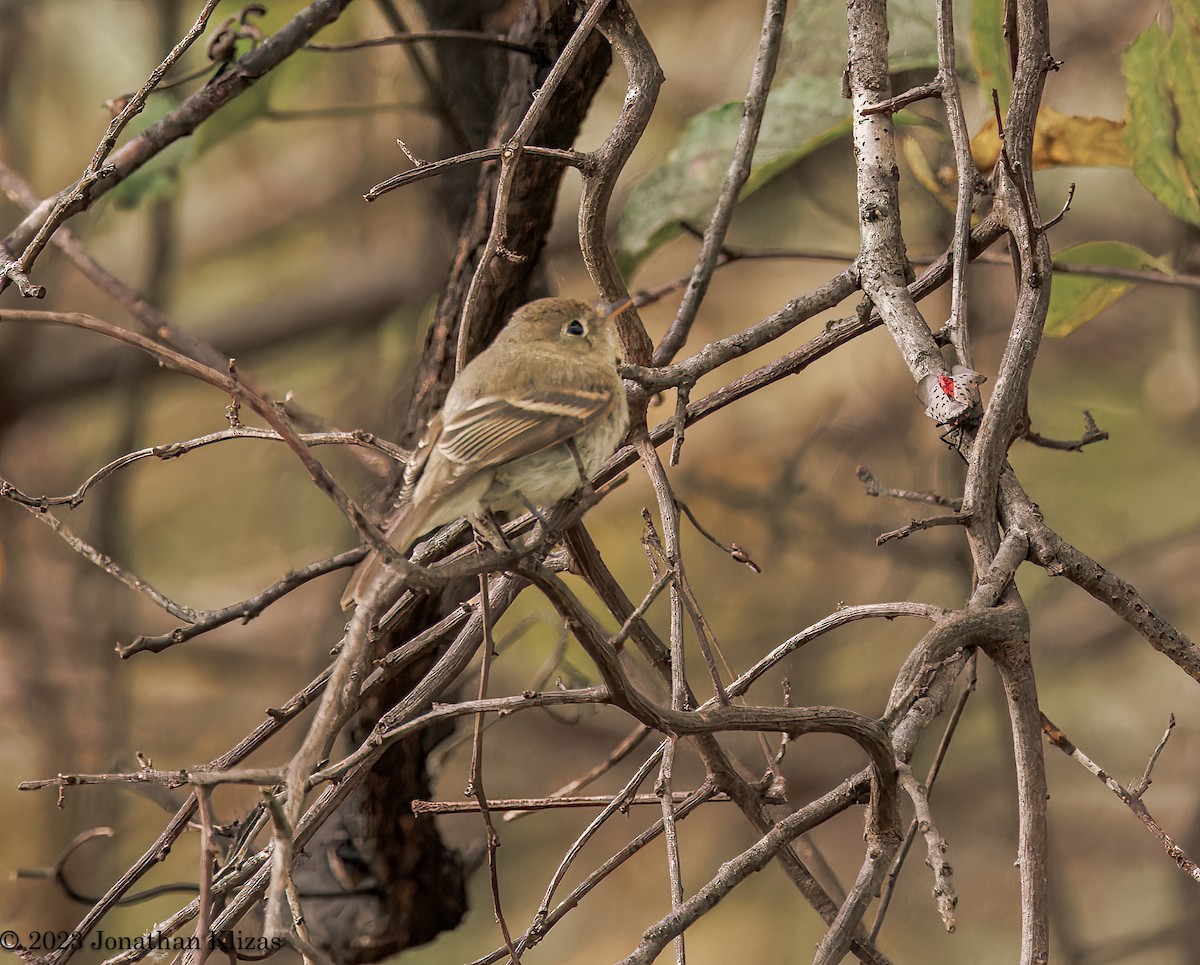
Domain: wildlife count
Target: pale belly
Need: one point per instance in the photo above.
(546, 477)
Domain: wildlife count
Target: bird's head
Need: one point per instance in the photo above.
(566, 321)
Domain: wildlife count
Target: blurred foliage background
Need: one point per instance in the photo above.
(254, 236)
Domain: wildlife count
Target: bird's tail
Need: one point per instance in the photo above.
(401, 533)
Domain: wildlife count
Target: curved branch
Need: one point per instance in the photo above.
(429, 169)
(620, 27)
(174, 449)
(246, 610)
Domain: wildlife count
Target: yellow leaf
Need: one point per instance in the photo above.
(1061, 140)
(924, 175)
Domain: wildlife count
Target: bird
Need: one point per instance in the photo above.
(525, 423)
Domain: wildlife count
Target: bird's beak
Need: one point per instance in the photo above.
(611, 310)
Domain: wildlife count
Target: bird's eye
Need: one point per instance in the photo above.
(574, 327)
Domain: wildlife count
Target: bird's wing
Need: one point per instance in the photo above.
(495, 430)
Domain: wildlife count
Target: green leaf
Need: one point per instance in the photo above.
(1162, 76)
(1076, 299)
(989, 52)
(805, 111)
(802, 115)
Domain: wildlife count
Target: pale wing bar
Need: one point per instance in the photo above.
(495, 430)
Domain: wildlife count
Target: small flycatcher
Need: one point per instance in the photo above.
(546, 386)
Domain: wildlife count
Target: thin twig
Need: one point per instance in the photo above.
(184, 119)
(475, 778)
(424, 36)
(916, 525)
(626, 747)
(943, 883)
(521, 804)
(245, 610)
(510, 156)
(939, 757)
(753, 108)
(1140, 786)
(110, 566)
(57, 873)
(964, 165)
(96, 169)
(237, 390)
(429, 169)
(173, 450)
(874, 488)
(671, 840)
(1128, 798)
(1091, 433)
(735, 552)
(544, 922)
(207, 858)
(911, 96)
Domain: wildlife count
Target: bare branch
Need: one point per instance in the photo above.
(871, 481)
(180, 122)
(943, 883)
(172, 450)
(551, 803)
(621, 29)
(882, 265)
(429, 169)
(1139, 787)
(106, 563)
(1091, 433)
(1060, 558)
(934, 768)
(424, 36)
(964, 165)
(76, 197)
(497, 242)
(237, 390)
(955, 519)
(739, 170)
(246, 610)
(1132, 801)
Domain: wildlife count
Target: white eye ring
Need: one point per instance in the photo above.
(574, 327)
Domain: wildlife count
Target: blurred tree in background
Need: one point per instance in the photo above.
(214, 280)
